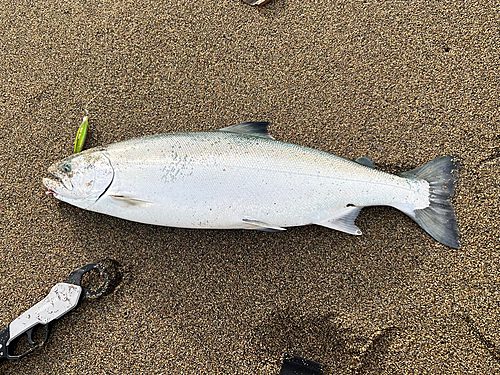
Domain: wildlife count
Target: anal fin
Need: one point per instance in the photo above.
(265, 227)
(343, 221)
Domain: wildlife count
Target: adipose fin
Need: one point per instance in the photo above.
(366, 161)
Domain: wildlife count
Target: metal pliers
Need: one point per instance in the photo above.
(62, 298)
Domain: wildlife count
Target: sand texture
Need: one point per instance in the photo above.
(399, 81)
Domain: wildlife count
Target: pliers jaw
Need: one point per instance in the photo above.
(76, 277)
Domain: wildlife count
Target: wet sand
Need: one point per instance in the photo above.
(401, 82)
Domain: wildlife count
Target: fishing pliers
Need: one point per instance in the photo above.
(62, 298)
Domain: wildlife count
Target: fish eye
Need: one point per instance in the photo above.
(66, 168)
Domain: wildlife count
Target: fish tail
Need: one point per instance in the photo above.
(438, 219)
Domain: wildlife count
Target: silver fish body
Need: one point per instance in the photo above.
(239, 178)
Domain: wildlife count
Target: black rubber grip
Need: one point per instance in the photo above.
(4, 337)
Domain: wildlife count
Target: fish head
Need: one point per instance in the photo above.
(80, 179)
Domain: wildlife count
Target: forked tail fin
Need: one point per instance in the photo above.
(439, 218)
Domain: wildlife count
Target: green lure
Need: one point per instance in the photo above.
(81, 135)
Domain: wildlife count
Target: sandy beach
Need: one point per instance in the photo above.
(400, 82)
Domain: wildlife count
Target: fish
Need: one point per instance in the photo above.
(240, 177)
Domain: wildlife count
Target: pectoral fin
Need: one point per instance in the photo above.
(344, 221)
(259, 225)
(129, 201)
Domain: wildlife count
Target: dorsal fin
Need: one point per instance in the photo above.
(257, 129)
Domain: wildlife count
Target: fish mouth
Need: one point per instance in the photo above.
(53, 186)
(56, 184)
